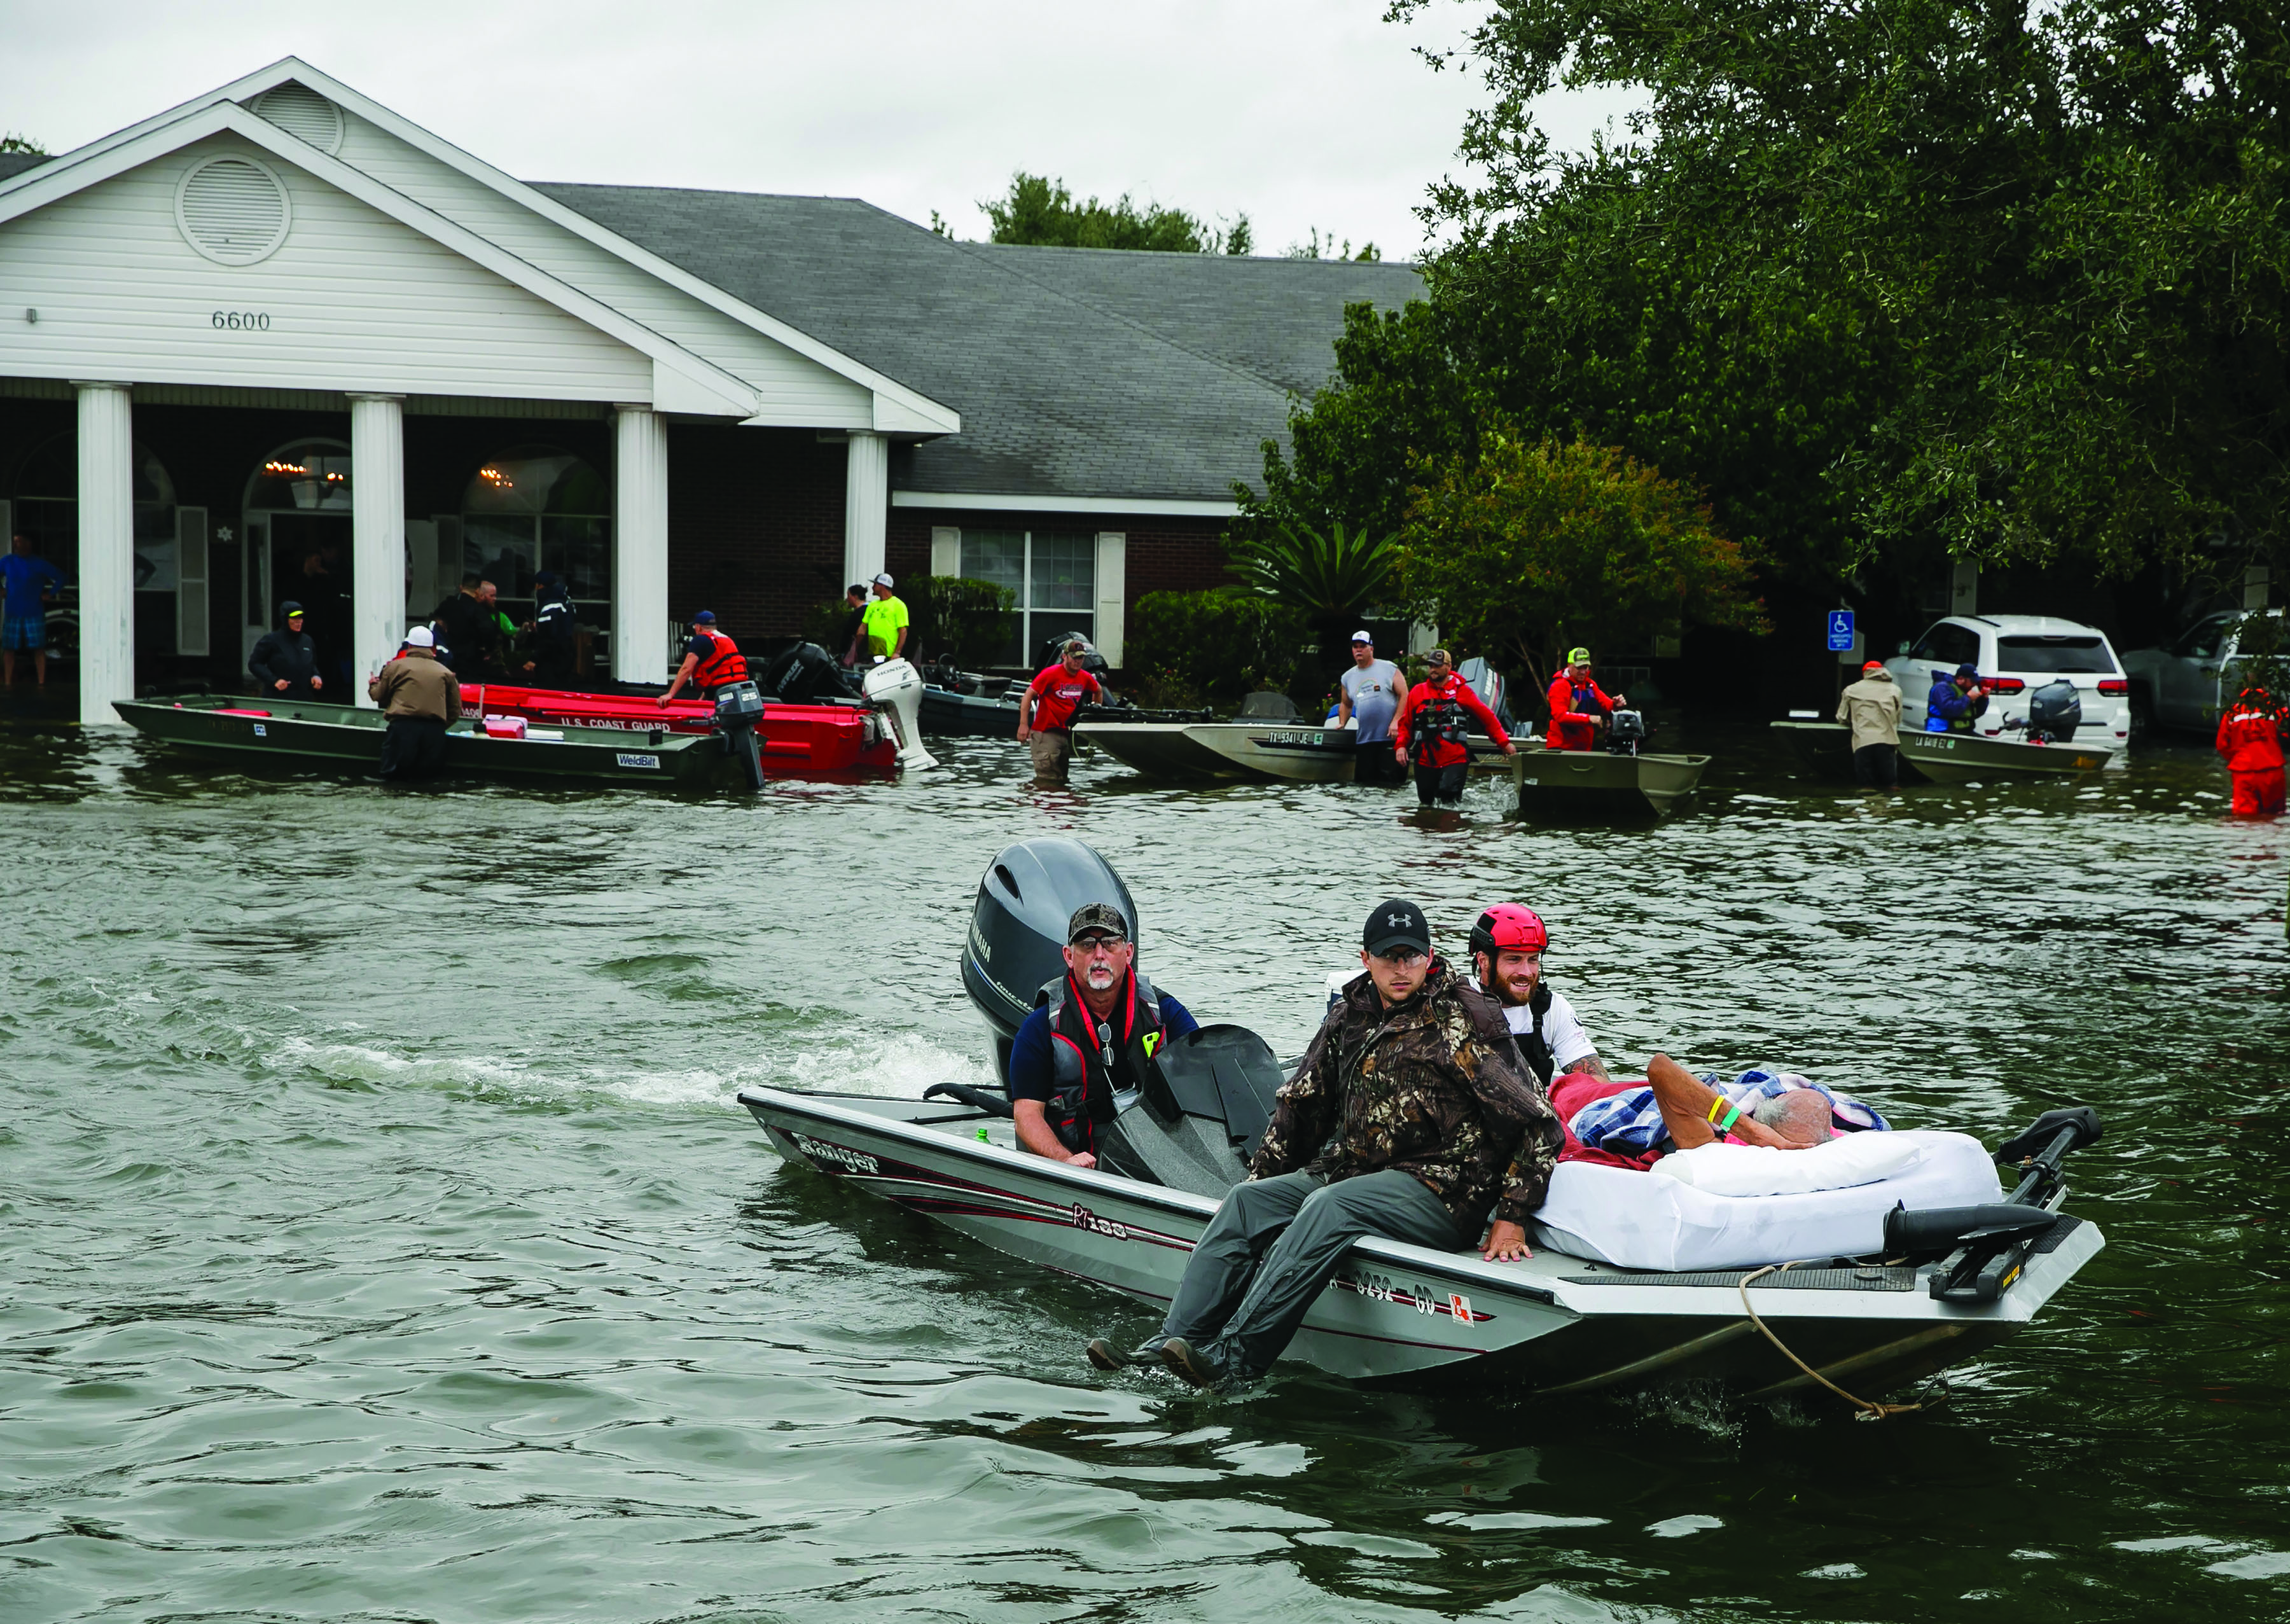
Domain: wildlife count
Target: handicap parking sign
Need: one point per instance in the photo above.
(1840, 631)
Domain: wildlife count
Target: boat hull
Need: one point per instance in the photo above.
(1553, 1323)
(966, 716)
(1946, 758)
(1562, 783)
(337, 736)
(796, 739)
(1265, 751)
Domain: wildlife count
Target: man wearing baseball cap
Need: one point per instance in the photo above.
(1089, 1037)
(1873, 706)
(421, 699)
(1371, 690)
(885, 622)
(1408, 1118)
(1579, 706)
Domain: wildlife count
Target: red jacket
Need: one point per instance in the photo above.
(1443, 752)
(2250, 738)
(1572, 729)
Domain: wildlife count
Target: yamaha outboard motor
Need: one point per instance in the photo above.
(1018, 927)
(2054, 712)
(739, 713)
(1626, 730)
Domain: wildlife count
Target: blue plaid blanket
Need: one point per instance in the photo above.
(1630, 1124)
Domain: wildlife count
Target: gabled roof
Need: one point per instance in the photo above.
(1078, 372)
(914, 412)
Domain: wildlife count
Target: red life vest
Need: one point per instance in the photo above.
(2250, 738)
(1093, 1066)
(722, 666)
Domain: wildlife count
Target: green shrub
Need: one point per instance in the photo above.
(959, 618)
(1218, 645)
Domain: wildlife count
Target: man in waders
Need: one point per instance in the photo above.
(421, 698)
(2250, 739)
(1873, 706)
(1409, 1118)
(1433, 726)
(1089, 1038)
(710, 660)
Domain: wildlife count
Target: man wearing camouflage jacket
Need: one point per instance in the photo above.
(1411, 1117)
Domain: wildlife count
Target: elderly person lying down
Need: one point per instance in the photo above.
(1635, 1125)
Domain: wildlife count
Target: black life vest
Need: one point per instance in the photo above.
(1095, 1062)
(1440, 717)
(723, 664)
(1533, 1046)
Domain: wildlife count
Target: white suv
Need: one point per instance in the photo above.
(2015, 655)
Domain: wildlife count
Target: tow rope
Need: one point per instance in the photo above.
(1869, 1410)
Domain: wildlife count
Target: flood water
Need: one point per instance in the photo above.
(381, 1240)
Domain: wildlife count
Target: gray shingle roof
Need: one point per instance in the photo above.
(14, 164)
(1083, 372)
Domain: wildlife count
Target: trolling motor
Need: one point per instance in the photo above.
(1983, 1248)
(2054, 712)
(1626, 730)
(739, 714)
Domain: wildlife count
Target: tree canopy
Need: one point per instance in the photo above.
(1889, 280)
(1041, 211)
(1526, 546)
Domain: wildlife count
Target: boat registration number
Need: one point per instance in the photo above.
(1294, 738)
(629, 759)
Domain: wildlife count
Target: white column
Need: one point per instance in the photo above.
(866, 507)
(640, 546)
(107, 551)
(377, 535)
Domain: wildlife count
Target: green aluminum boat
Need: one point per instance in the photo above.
(1946, 758)
(244, 730)
(1601, 783)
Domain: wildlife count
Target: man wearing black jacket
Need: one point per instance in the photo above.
(470, 633)
(285, 663)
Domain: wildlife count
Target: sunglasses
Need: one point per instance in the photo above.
(1402, 956)
(1100, 944)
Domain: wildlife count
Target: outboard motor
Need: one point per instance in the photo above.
(1626, 730)
(1018, 927)
(896, 689)
(739, 713)
(2054, 712)
(806, 674)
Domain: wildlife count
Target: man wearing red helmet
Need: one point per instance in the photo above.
(1506, 947)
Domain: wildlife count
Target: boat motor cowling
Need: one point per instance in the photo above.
(895, 688)
(2054, 712)
(1018, 927)
(739, 713)
(1626, 730)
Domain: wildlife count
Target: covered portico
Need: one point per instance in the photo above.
(284, 246)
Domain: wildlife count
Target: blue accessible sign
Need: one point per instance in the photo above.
(1840, 631)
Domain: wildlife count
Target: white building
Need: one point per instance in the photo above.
(278, 342)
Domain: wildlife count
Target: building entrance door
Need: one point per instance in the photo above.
(303, 558)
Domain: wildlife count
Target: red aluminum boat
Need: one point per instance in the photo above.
(795, 738)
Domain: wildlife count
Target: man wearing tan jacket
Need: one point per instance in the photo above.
(421, 698)
(1873, 706)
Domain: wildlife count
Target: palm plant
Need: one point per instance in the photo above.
(1329, 577)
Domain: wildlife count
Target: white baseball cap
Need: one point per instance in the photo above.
(1361, 637)
(421, 637)
(882, 580)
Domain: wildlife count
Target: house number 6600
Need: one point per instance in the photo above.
(243, 321)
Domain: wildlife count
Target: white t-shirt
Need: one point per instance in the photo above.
(1569, 1043)
(1374, 694)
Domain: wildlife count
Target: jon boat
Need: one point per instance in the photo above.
(244, 729)
(1561, 1322)
(1295, 751)
(1562, 783)
(794, 739)
(1947, 758)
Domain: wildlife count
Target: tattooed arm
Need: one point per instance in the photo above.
(1588, 1066)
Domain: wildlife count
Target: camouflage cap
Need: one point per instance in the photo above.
(1096, 916)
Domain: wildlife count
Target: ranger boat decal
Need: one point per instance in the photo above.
(836, 1156)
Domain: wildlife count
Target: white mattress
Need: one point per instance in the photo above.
(1641, 1221)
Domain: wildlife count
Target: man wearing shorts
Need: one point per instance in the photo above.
(31, 582)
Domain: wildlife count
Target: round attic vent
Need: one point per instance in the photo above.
(232, 210)
(303, 114)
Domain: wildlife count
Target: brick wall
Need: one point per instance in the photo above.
(754, 525)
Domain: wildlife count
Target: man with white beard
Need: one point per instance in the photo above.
(1091, 1035)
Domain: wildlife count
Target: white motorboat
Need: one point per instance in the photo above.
(1890, 1295)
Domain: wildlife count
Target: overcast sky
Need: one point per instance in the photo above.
(1298, 112)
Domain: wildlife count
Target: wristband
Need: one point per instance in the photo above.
(1732, 1116)
(1716, 1106)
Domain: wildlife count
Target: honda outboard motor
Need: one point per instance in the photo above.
(1626, 730)
(2054, 712)
(739, 713)
(1018, 927)
(896, 689)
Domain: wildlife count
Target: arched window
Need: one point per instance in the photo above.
(536, 508)
(312, 476)
(46, 508)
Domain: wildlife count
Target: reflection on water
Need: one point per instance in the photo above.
(383, 1243)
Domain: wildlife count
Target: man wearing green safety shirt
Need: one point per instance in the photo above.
(885, 623)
